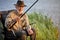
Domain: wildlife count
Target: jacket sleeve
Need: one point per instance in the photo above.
(28, 26)
(9, 21)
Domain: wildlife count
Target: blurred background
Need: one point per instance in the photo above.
(50, 8)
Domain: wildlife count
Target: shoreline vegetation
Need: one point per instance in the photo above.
(45, 28)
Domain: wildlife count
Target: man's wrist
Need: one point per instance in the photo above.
(28, 27)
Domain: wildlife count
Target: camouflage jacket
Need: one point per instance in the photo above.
(21, 24)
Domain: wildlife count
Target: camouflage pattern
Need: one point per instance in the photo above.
(20, 24)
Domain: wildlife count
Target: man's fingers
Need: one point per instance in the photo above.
(30, 32)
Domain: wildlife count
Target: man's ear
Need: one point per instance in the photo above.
(15, 5)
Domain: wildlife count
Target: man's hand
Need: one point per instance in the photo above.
(16, 19)
(30, 32)
(28, 28)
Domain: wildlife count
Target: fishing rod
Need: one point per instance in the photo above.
(29, 8)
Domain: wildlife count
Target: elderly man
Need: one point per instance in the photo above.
(21, 27)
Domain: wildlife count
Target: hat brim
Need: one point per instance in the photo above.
(20, 5)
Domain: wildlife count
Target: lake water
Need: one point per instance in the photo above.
(48, 7)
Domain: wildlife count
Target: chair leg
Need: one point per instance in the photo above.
(33, 36)
(22, 35)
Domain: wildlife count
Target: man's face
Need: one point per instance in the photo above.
(20, 9)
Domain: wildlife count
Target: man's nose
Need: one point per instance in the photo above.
(19, 8)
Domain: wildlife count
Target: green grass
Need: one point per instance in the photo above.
(44, 26)
(45, 29)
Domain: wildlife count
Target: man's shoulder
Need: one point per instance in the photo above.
(12, 12)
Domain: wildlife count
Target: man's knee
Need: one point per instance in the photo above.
(23, 32)
(20, 33)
